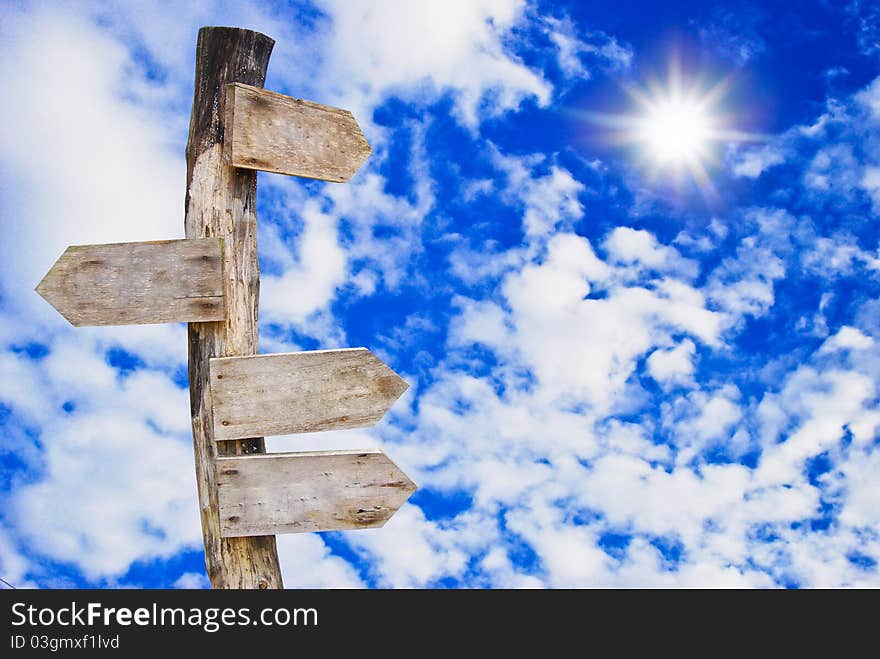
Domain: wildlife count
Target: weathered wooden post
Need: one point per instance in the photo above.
(221, 202)
(211, 280)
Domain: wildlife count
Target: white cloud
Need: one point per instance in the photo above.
(751, 162)
(735, 35)
(410, 551)
(429, 48)
(572, 342)
(718, 508)
(862, 497)
(475, 265)
(574, 50)
(14, 566)
(114, 480)
(316, 272)
(870, 183)
(675, 365)
(629, 246)
(717, 416)
(306, 562)
(192, 580)
(848, 338)
(837, 256)
(744, 284)
(869, 98)
(826, 403)
(548, 200)
(833, 169)
(480, 322)
(704, 420)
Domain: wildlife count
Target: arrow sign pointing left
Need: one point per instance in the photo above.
(168, 281)
(298, 392)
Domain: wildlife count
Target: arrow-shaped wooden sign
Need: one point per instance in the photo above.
(167, 281)
(271, 493)
(276, 133)
(299, 392)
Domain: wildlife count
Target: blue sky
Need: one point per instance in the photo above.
(623, 373)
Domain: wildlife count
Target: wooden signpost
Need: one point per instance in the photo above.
(211, 281)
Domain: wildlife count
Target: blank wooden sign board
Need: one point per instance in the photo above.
(210, 280)
(300, 392)
(169, 281)
(276, 133)
(299, 492)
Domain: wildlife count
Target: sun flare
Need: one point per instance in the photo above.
(679, 130)
(676, 131)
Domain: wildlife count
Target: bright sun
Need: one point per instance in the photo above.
(676, 131)
(679, 128)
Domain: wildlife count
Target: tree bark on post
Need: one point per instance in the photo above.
(221, 202)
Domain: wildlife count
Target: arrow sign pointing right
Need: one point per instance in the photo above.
(276, 133)
(271, 493)
(299, 392)
(167, 281)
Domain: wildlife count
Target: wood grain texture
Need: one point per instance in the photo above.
(300, 492)
(301, 392)
(221, 202)
(276, 133)
(170, 281)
